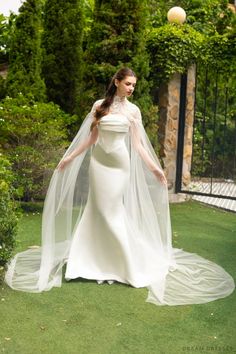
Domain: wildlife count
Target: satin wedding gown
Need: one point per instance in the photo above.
(116, 226)
(106, 245)
(101, 248)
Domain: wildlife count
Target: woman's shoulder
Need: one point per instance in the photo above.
(97, 103)
(135, 110)
(133, 106)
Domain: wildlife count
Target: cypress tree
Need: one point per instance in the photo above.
(117, 38)
(62, 44)
(25, 53)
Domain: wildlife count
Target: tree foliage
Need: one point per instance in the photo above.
(207, 39)
(8, 216)
(33, 137)
(3, 39)
(62, 44)
(25, 53)
(173, 48)
(118, 33)
(208, 36)
(214, 145)
(205, 16)
(117, 39)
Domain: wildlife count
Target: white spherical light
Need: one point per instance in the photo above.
(176, 14)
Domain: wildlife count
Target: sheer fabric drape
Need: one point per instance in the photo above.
(181, 277)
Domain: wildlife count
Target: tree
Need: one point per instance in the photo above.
(62, 44)
(206, 16)
(117, 38)
(4, 30)
(25, 54)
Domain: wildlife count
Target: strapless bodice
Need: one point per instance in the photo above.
(112, 129)
(114, 122)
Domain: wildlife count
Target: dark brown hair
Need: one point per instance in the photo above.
(103, 109)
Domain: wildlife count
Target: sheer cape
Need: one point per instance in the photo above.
(182, 277)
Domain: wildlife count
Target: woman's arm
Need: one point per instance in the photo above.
(150, 163)
(92, 138)
(143, 153)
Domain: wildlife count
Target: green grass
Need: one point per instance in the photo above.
(82, 317)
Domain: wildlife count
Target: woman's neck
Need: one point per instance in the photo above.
(118, 98)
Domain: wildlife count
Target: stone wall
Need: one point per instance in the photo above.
(169, 98)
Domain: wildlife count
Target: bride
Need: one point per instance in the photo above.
(106, 214)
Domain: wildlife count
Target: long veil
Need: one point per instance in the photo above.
(181, 278)
(40, 269)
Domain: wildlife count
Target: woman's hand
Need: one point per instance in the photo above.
(160, 176)
(63, 163)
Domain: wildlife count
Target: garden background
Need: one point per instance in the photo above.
(56, 59)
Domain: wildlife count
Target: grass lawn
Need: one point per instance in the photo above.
(85, 318)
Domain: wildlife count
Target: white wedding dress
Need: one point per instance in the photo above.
(106, 244)
(116, 226)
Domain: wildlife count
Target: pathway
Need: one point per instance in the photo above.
(227, 188)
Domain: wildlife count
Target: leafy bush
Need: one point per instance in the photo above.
(207, 37)
(214, 125)
(219, 52)
(4, 38)
(32, 207)
(2, 88)
(8, 217)
(34, 137)
(172, 49)
(206, 16)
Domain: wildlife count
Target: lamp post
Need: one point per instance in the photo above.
(176, 15)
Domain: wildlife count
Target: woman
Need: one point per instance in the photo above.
(116, 227)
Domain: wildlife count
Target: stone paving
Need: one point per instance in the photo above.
(227, 188)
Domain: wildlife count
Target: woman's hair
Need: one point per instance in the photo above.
(103, 109)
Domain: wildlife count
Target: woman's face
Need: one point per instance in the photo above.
(125, 87)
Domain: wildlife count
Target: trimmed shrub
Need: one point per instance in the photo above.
(33, 137)
(173, 48)
(8, 217)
